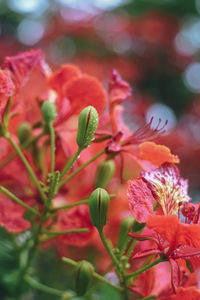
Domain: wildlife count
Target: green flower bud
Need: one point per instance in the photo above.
(48, 111)
(24, 132)
(87, 125)
(83, 273)
(125, 227)
(98, 205)
(105, 172)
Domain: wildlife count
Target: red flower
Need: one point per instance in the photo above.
(163, 185)
(11, 216)
(174, 241)
(76, 218)
(22, 64)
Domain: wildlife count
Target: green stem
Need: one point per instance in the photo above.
(116, 262)
(79, 230)
(130, 250)
(70, 205)
(49, 290)
(95, 275)
(28, 167)
(70, 163)
(150, 297)
(145, 268)
(109, 250)
(81, 167)
(85, 201)
(24, 146)
(16, 199)
(52, 135)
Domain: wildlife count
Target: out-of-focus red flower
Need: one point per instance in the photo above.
(11, 216)
(76, 218)
(22, 64)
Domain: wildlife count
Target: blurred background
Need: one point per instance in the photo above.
(155, 45)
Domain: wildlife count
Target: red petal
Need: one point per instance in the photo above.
(119, 89)
(77, 217)
(11, 216)
(83, 91)
(22, 64)
(60, 78)
(140, 200)
(175, 274)
(190, 293)
(185, 251)
(156, 154)
(6, 84)
(146, 253)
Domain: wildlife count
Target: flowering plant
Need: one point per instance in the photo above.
(75, 178)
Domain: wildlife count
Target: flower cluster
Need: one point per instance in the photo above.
(72, 171)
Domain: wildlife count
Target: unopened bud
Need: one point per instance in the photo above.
(105, 172)
(48, 111)
(98, 205)
(24, 132)
(87, 125)
(125, 227)
(83, 274)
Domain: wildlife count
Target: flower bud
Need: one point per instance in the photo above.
(105, 172)
(87, 125)
(24, 132)
(83, 274)
(98, 205)
(48, 111)
(125, 227)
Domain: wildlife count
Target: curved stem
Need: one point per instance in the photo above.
(85, 201)
(145, 268)
(94, 274)
(70, 163)
(79, 230)
(81, 167)
(19, 201)
(24, 146)
(52, 135)
(49, 290)
(27, 165)
(70, 205)
(116, 263)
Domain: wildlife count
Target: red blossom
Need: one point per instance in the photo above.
(11, 216)
(76, 218)
(174, 241)
(22, 64)
(163, 185)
